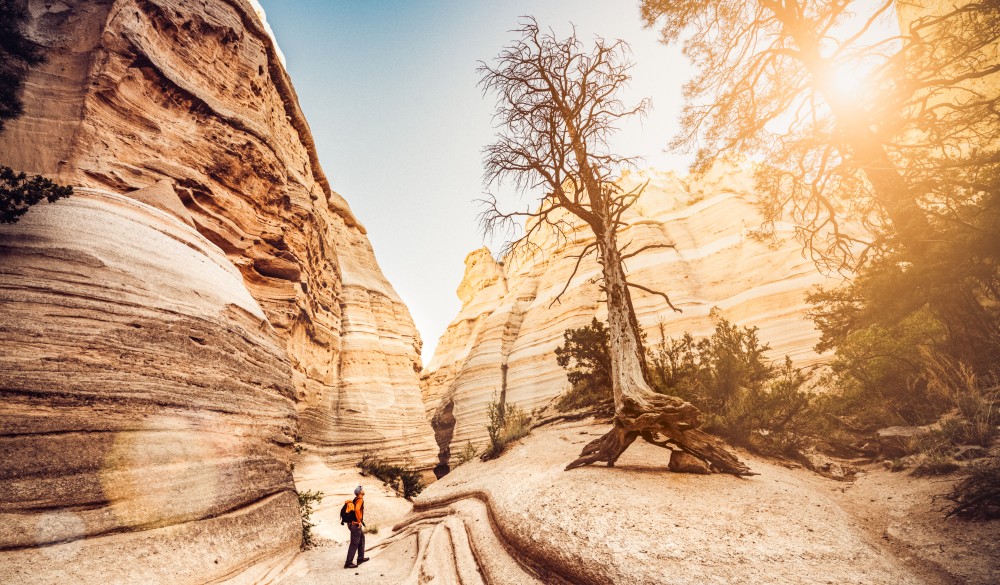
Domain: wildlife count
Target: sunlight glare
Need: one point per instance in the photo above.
(849, 80)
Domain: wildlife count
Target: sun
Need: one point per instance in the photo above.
(849, 80)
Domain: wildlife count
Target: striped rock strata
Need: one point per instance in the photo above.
(121, 360)
(504, 337)
(148, 410)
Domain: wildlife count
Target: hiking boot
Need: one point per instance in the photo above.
(363, 560)
(350, 566)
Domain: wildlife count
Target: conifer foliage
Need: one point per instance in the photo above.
(18, 192)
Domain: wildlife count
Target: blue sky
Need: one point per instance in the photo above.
(389, 90)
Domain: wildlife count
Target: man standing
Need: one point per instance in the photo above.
(357, 530)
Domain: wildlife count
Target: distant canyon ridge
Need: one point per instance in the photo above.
(704, 253)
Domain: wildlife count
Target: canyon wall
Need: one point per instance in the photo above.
(148, 411)
(201, 303)
(502, 342)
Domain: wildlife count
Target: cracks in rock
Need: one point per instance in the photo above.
(443, 424)
(474, 536)
(511, 330)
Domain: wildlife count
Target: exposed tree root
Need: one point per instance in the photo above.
(665, 421)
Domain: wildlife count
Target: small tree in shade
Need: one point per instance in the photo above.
(558, 104)
(18, 192)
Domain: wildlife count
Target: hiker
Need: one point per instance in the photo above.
(353, 513)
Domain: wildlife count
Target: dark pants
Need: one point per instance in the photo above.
(357, 542)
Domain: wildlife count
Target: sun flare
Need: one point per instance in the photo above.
(849, 80)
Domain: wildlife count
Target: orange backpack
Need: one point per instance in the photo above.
(347, 513)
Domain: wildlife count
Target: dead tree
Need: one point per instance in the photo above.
(557, 105)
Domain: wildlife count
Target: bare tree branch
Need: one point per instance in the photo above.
(557, 104)
(655, 292)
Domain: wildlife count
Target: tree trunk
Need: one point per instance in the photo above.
(666, 421)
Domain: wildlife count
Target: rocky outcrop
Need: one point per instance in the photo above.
(148, 410)
(522, 519)
(190, 97)
(121, 360)
(502, 342)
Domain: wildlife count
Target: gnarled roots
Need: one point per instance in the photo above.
(665, 421)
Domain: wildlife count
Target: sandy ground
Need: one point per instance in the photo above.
(522, 519)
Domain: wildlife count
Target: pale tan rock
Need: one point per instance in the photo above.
(682, 462)
(504, 337)
(183, 106)
(162, 196)
(147, 406)
(526, 520)
(139, 96)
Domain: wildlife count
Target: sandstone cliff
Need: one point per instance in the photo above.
(504, 337)
(147, 410)
(166, 333)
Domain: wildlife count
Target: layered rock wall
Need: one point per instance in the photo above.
(503, 339)
(148, 410)
(121, 360)
(190, 96)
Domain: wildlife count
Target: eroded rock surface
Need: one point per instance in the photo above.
(147, 406)
(189, 97)
(502, 342)
(183, 108)
(521, 519)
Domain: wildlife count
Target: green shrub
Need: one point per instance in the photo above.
(586, 357)
(585, 354)
(307, 499)
(18, 193)
(675, 365)
(761, 418)
(710, 372)
(977, 495)
(743, 396)
(468, 453)
(590, 394)
(413, 484)
(403, 480)
(933, 463)
(731, 361)
(883, 375)
(507, 423)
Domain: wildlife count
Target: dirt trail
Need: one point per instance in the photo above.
(522, 519)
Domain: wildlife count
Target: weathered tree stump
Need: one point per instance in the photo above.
(665, 421)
